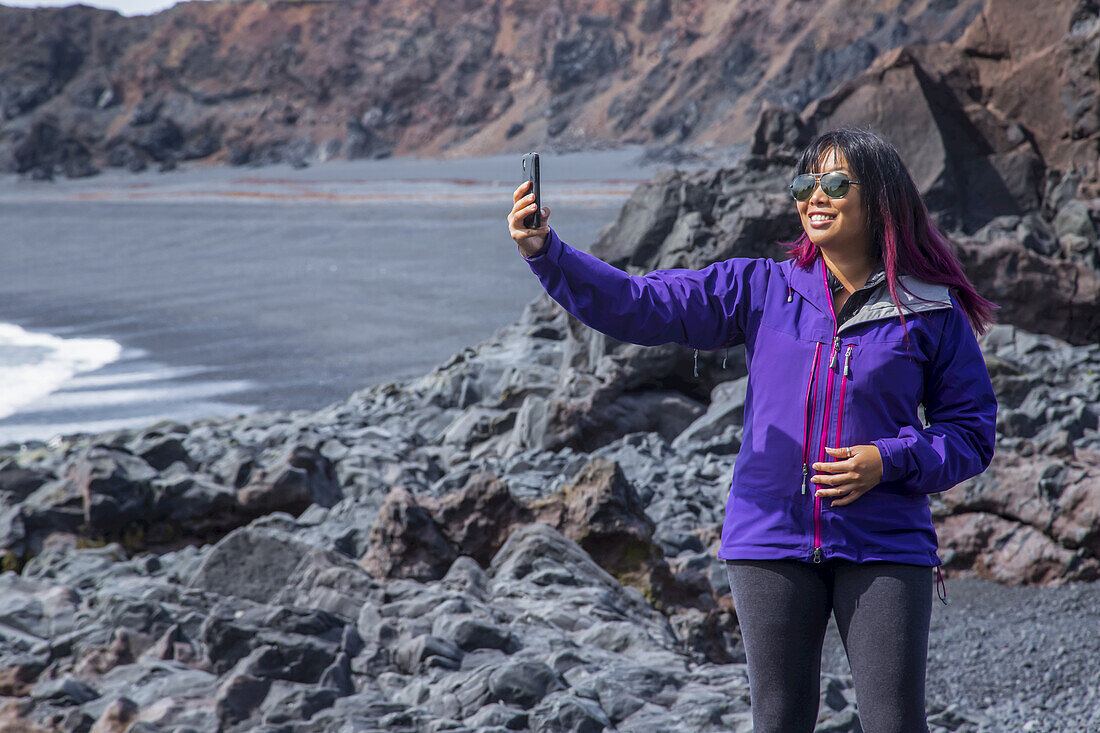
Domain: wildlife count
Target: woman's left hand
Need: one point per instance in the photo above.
(850, 477)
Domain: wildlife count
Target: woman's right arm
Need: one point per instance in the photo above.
(703, 309)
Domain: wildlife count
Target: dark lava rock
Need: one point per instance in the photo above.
(593, 51)
(48, 149)
(115, 485)
(363, 142)
(17, 483)
(523, 684)
(238, 696)
(250, 563)
(162, 452)
(301, 477)
(405, 541)
(602, 512)
(478, 519)
(423, 652)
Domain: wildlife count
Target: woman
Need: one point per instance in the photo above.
(828, 510)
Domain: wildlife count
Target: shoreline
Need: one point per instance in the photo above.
(294, 296)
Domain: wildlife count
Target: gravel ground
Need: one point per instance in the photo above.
(1026, 657)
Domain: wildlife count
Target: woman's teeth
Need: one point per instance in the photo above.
(817, 218)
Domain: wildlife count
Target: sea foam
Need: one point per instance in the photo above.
(33, 364)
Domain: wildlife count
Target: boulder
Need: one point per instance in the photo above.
(35, 609)
(17, 482)
(238, 696)
(302, 476)
(193, 504)
(967, 175)
(405, 541)
(115, 485)
(17, 676)
(1009, 552)
(1033, 520)
(1016, 278)
(117, 717)
(719, 430)
(250, 563)
(478, 519)
(601, 512)
(328, 581)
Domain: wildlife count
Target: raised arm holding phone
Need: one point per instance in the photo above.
(870, 318)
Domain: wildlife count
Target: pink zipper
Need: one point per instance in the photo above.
(845, 373)
(821, 458)
(811, 397)
(825, 416)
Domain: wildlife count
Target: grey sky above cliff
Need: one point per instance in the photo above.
(126, 7)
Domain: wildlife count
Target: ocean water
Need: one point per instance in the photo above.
(54, 385)
(128, 299)
(32, 365)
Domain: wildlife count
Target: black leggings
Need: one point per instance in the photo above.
(882, 610)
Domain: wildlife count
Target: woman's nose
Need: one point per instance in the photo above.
(817, 196)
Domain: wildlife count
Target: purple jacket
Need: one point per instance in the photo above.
(811, 385)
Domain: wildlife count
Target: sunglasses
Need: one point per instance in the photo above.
(834, 184)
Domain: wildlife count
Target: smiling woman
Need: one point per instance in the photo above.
(831, 207)
(828, 508)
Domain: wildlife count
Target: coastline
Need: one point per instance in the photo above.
(276, 288)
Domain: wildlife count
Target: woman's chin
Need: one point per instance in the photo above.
(826, 241)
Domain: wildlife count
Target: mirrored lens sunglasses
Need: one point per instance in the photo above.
(834, 185)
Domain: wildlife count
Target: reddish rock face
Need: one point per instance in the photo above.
(254, 82)
(1009, 552)
(1026, 520)
(17, 680)
(601, 512)
(1016, 278)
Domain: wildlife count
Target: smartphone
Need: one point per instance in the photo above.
(531, 168)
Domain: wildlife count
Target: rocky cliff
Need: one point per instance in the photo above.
(253, 82)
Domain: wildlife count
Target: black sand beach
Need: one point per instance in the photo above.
(278, 288)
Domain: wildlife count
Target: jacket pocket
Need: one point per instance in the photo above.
(773, 445)
(883, 387)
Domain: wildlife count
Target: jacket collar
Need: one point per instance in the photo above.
(877, 276)
(916, 295)
(809, 285)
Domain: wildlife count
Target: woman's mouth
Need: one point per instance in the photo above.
(820, 221)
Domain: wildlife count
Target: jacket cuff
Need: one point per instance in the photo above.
(892, 453)
(549, 251)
